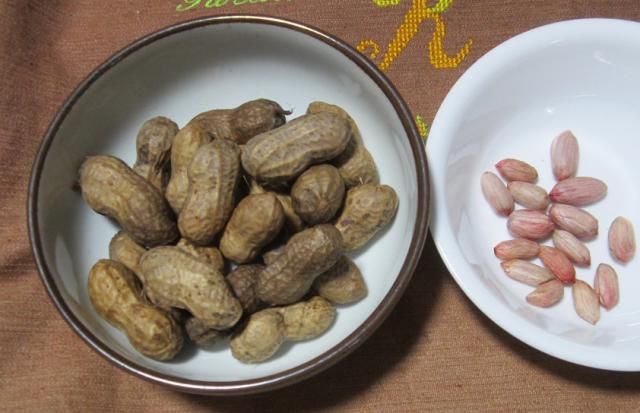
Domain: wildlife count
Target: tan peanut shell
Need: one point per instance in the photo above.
(124, 249)
(254, 223)
(270, 256)
(116, 297)
(185, 144)
(341, 284)
(210, 255)
(242, 281)
(153, 147)
(293, 222)
(284, 153)
(213, 178)
(261, 337)
(244, 122)
(308, 254)
(258, 339)
(201, 335)
(368, 208)
(355, 164)
(113, 189)
(307, 319)
(186, 282)
(317, 194)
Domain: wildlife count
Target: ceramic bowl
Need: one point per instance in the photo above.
(582, 75)
(188, 68)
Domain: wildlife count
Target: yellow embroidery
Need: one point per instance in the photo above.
(208, 4)
(422, 127)
(418, 13)
(439, 59)
(365, 44)
(386, 3)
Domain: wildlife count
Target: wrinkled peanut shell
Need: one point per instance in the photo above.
(153, 147)
(242, 281)
(260, 338)
(213, 175)
(368, 209)
(185, 144)
(255, 222)
(317, 194)
(341, 284)
(184, 281)
(113, 189)
(210, 255)
(355, 164)
(307, 254)
(242, 123)
(116, 297)
(285, 152)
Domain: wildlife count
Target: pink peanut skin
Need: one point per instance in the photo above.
(530, 224)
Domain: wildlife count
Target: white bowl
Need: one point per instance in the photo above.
(186, 69)
(582, 75)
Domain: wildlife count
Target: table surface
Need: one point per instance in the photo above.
(435, 352)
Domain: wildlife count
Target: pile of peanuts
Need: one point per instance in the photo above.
(568, 225)
(280, 203)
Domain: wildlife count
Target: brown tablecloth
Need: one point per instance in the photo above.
(435, 352)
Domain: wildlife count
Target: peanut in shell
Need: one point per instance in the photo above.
(213, 174)
(368, 209)
(255, 222)
(153, 148)
(317, 194)
(284, 153)
(117, 298)
(184, 281)
(355, 164)
(185, 144)
(113, 189)
(307, 254)
(244, 122)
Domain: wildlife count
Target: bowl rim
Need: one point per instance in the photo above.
(330, 356)
(443, 236)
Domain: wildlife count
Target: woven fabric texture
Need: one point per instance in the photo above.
(436, 352)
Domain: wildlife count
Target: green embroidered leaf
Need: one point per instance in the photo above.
(441, 6)
(422, 127)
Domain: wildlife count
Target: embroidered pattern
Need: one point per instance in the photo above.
(208, 4)
(386, 3)
(414, 18)
(422, 127)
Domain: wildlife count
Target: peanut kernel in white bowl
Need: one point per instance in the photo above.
(579, 75)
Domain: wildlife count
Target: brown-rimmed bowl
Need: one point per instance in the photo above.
(188, 68)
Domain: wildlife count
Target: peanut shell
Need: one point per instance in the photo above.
(244, 122)
(213, 174)
(308, 254)
(185, 144)
(255, 222)
(117, 298)
(113, 189)
(317, 194)
(284, 153)
(355, 164)
(184, 281)
(341, 284)
(153, 147)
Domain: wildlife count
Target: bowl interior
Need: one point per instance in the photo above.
(205, 67)
(577, 75)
